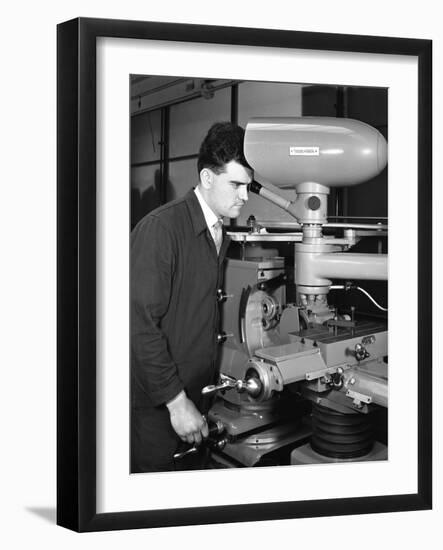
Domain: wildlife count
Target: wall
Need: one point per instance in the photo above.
(27, 404)
(188, 124)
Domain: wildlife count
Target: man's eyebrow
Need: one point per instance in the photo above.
(240, 182)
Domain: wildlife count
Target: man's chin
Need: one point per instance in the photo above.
(235, 211)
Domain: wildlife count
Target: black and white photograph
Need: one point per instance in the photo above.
(244, 275)
(221, 275)
(259, 271)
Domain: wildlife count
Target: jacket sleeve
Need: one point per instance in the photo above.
(152, 269)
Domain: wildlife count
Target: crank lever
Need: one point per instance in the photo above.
(225, 383)
(251, 385)
(189, 451)
(212, 441)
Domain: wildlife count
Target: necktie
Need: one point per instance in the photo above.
(218, 234)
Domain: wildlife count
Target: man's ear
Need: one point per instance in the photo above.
(206, 178)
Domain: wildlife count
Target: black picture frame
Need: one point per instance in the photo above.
(76, 293)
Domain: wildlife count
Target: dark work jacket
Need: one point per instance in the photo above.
(175, 274)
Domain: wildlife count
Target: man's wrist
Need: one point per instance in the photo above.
(177, 401)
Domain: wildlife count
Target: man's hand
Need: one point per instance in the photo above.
(186, 420)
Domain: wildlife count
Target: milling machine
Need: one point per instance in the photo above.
(302, 381)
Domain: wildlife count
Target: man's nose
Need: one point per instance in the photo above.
(243, 192)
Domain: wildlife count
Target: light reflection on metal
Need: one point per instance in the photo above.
(332, 152)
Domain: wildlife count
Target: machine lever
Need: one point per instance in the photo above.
(222, 337)
(225, 383)
(251, 385)
(187, 452)
(214, 440)
(222, 296)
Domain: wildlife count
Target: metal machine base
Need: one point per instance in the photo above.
(306, 455)
(257, 449)
(259, 433)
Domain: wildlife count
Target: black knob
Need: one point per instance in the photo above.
(313, 203)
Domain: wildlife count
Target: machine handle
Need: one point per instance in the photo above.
(251, 385)
(225, 383)
(187, 452)
(223, 336)
(222, 296)
(213, 441)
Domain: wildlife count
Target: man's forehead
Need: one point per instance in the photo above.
(237, 173)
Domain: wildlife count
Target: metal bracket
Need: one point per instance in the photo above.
(359, 398)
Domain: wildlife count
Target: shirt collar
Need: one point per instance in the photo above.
(209, 215)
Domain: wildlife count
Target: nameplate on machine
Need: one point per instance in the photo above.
(304, 151)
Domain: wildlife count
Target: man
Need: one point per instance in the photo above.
(177, 254)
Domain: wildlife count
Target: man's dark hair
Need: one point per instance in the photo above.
(223, 143)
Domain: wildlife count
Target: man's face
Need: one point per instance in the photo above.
(227, 192)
